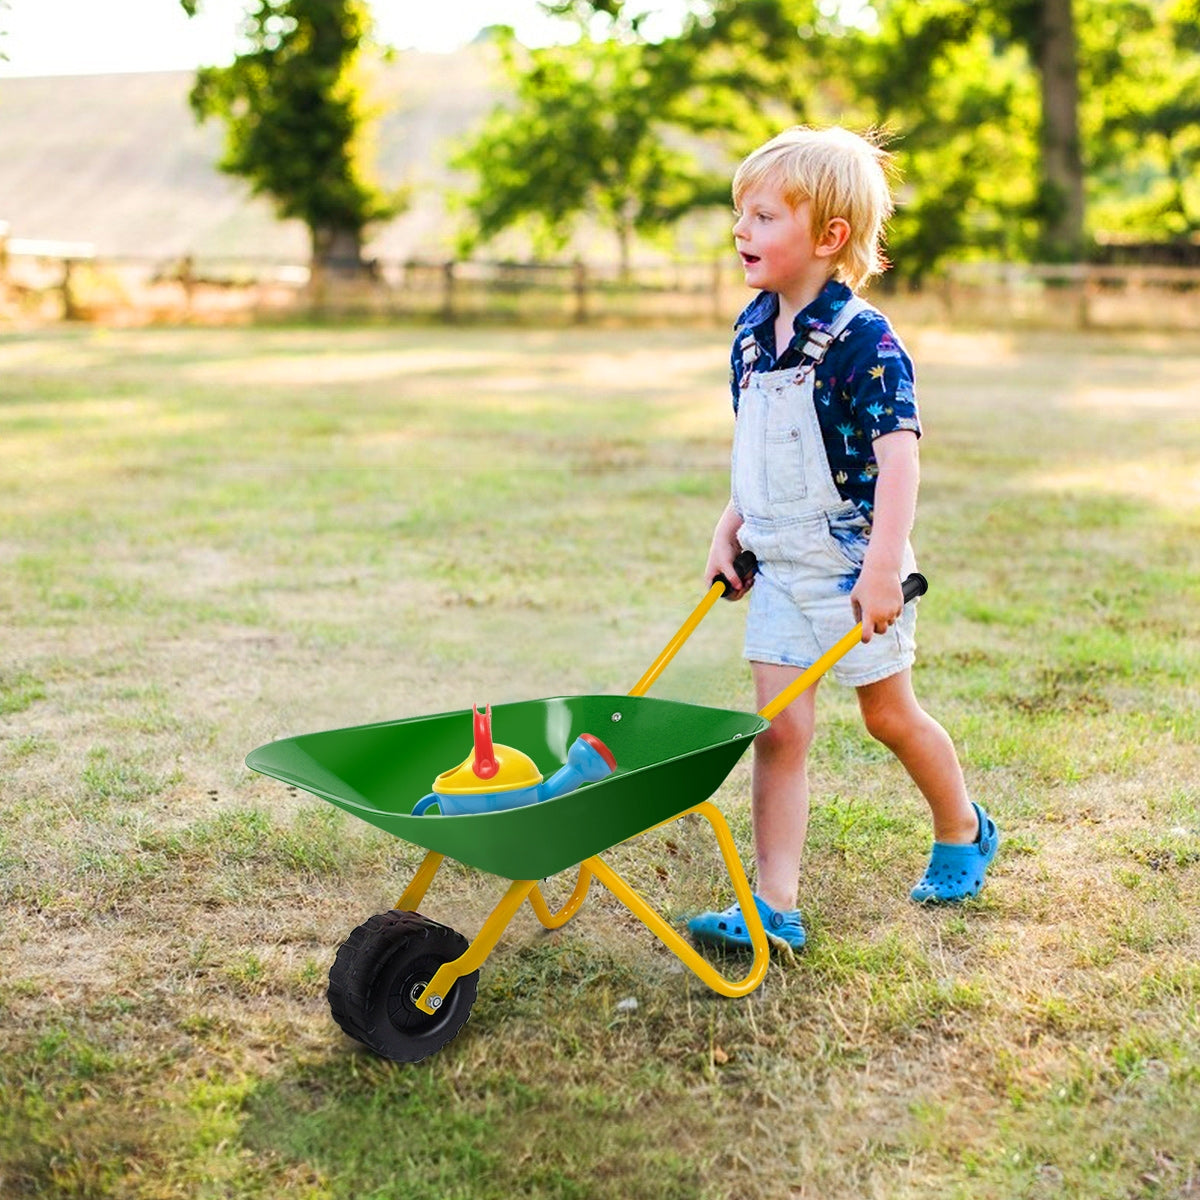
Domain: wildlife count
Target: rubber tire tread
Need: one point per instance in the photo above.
(356, 968)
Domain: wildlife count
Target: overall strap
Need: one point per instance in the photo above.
(819, 340)
(749, 348)
(815, 346)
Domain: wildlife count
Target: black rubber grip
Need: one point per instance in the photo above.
(915, 585)
(745, 565)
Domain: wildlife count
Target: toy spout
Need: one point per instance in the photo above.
(588, 761)
(485, 764)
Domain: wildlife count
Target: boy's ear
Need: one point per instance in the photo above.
(834, 239)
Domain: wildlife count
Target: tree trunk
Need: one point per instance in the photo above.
(1177, 170)
(624, 238)
(337, 253)
(1062, 162)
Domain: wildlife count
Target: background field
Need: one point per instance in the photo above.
(119, 161)
(211, 538)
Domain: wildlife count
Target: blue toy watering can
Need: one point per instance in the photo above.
(497, 777)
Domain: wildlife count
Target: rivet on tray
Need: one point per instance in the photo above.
(616, 716)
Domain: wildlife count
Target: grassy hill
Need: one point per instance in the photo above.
(119, 161)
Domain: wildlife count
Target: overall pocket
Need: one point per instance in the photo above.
(784, 454)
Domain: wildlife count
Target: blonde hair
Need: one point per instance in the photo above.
(842, 175)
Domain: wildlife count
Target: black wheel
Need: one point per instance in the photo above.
(379, 972)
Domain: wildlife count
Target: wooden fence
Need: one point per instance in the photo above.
(54, 280)
(1073, 296)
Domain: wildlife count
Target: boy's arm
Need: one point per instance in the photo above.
(877, 597)
(725, 548)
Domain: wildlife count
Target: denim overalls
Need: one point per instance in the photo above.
(810, 543)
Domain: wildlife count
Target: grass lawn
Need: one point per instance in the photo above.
(212, 538)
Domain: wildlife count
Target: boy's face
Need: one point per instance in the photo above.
(776, 242)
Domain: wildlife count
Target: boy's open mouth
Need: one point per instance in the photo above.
(748, 258)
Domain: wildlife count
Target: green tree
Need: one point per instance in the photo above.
(954, 78)
(1142, 63)
(1046, 30)
(956, 107)
(585, 134)
(963, 108)
(1006, 116)
(1116, 107)
(296, 120)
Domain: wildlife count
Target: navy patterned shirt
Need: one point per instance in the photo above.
(863, 388)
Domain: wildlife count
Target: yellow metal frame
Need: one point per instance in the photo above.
(685, 631)
(847, 643)
(430, 1000)
(843, 646)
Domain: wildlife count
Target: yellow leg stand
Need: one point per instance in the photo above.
(671, 939)
(559, 919)
(521, 890)
(430, 1000)
(415, 892)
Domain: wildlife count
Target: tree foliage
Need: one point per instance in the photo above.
(1143, 80)
(1004, 115)
(296, 119)
(582, 136)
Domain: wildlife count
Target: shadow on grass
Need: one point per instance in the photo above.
(382, 1130)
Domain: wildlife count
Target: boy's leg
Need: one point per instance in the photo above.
(894, 717)
(779, 792)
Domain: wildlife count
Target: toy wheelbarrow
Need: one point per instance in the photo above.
(403, 984)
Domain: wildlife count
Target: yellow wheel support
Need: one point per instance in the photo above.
(415, 892)
(431, 999)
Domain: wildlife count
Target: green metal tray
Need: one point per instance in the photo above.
(670, 756)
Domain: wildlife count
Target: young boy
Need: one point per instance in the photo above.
(824, 473)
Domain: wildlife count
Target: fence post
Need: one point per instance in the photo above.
(1088, 287)
(70, 307)
(580, 286)
(448, 290)
(187, 281)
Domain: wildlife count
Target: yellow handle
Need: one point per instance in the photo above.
(793, 689)
(914, 586)
(672, 647)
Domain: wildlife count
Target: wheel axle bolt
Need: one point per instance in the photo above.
(434, 1002)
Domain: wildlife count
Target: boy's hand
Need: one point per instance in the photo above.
(877, 600)
(720, 562)
(724, 549)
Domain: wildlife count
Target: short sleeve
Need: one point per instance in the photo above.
(880, 384)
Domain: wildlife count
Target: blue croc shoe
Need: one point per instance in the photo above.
(956, 871)
(728, 928)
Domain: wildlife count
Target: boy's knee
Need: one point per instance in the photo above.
(791, 732)
(889, 724)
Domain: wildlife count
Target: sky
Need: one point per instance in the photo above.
(88, 37)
